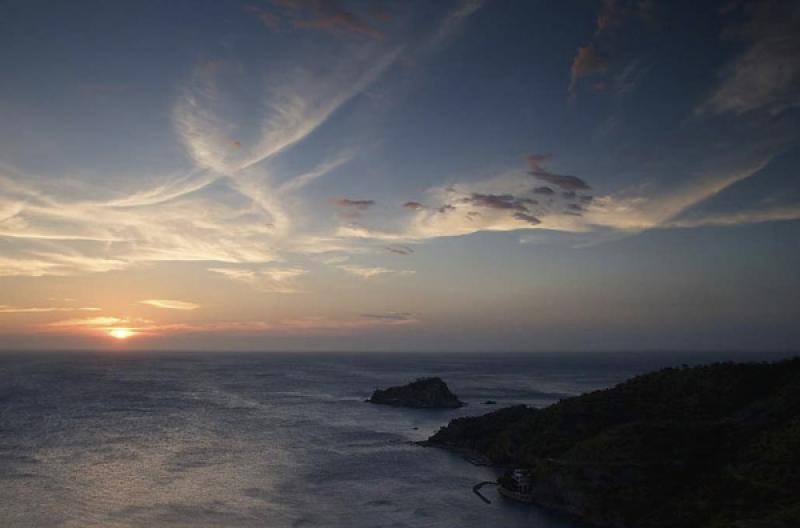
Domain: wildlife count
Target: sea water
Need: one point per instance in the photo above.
(266, 440)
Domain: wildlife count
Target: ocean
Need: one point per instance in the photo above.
(268, 440)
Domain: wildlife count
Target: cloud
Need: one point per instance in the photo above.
(210, 117)
(170, 304)
(274, 280)
(453, 21)
(399, 250)
(594, 58)
(269, 19)
(360, 205)
(766, 76)
(733, 218)
(414, 206)
(324, 15)
(391, 317)
(499, 201)
(298, 182)
(587, 62)
(233, 206)
(42, 263)
(494, 205)
(569, 183)
(4, 308)
(525, 217)
(366, 272)
(536, 161)
(87, 322)
(352, 209)
(331, 17)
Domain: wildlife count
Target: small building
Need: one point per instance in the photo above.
(517, 485)
(522, 480)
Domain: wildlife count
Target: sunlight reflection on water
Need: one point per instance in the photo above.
(250, 440)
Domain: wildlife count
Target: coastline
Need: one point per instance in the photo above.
(675, 447)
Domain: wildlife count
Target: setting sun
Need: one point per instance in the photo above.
(120, 333)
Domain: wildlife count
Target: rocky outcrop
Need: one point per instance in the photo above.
(424, 393)
(712, 446)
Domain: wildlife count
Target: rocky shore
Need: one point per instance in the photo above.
(424, 393)
(712, 446)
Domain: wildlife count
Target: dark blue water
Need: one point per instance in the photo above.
(267, 440)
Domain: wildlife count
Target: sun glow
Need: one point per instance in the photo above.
(120, 333)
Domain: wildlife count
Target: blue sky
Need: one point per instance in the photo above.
(466, 175)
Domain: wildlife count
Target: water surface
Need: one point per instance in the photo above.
(245, 440)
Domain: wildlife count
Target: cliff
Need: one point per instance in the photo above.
(710, 446)
(424, 393)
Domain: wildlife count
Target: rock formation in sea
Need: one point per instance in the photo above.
(424, 393)
(709, 447)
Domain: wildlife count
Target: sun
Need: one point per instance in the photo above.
(120, 333)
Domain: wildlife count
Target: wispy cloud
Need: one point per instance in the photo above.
(510, 202)
(329, 16)
(732, 218)
(298, 100)
(5, 308)
(368, 272)
(453, 21)
(233, 206)
(88, 322)
(276, 280)
(399, 250)
(391, 317)
(766, 76)
(171, 304)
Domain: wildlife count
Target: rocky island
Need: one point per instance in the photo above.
(424, 393)
(706, 447)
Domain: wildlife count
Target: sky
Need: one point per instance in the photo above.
(441, 176)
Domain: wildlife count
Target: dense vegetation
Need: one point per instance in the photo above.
(710, 446)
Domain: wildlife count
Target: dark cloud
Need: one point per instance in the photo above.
(569, 195)
(525, 217)
(593, 59)
(570, 183)
(587, 62)
(399, 250)
(415, 206)
(566, 182)
(544, 190)
(586, 199)
(360, 205)
(446, 208)
(323, 15)
(499, 201)
(575, 207)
